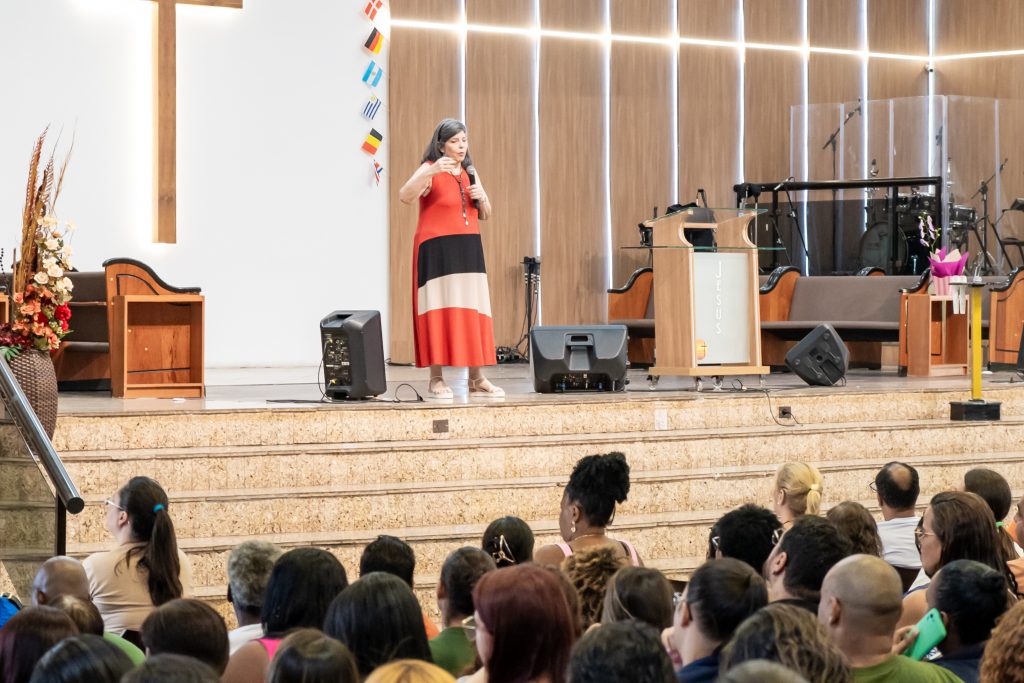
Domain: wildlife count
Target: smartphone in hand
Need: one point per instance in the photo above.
(930, 632)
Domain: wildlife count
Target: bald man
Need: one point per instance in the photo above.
(861, 601)
(897, 487)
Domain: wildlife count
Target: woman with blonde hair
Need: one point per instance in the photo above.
(797, 492)
(410, 671)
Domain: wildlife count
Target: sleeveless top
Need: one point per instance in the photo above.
(626, 545)
(270, 645)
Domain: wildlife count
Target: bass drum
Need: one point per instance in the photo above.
(876, 247)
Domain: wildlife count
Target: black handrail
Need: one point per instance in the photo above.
(38, 443)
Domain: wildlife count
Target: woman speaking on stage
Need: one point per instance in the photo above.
(451, 304)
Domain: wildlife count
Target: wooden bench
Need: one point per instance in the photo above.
(134, 333)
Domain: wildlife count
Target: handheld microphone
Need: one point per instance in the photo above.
(471, 172)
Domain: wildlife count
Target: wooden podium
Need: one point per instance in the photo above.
(706, 320)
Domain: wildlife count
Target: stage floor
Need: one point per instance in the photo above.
(296, 387)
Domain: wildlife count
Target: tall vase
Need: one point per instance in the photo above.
(35, 373)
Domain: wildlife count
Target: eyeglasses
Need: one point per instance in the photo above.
(113, 504)
(504, 553)
(469, 626)
(920, 533)
(873, 486)
(716, 542)
(777, 535)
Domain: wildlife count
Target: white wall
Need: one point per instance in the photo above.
(279, 220)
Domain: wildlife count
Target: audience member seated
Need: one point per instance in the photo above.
(638, 593)
(249, 567)
(394, 556)
(509, 540)
(589, 571)
(301, 587)
(720, 595)
(379, 620)
(971, 597)
(82, 659)
(747, 533)
(789, 636)
(596, 485)
(623, 651)
(572, 598)
(955, 526)
(1017, 565)
(146, 569)
(858, 526)
(27, 636)
(452, 649)
(995, 491)
(410, 671)
(62, 581)
(761, 671)
(860, 605)
(309, 656)
(187, 627)
(523, 626)
(1003, 661)
(171, 669)
(798, 564)
(897, 487)
(797, 492)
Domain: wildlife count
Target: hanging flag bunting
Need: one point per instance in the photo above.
(372, 7)
(372, 142)
(378, 170)
(371, 108)
(374, 42)
(373, 74)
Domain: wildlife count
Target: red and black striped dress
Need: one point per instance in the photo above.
(451, 304)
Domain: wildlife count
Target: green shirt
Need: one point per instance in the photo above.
(902, 669)
(135, 654)
(453, 651)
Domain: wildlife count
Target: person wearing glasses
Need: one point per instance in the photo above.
(747, 533)
(451, 303)
(452, 649)
(146, 568)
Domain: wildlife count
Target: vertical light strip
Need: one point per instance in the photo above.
(674, 89)
(607, 114)
(536, 134)
(463, 33)
(930, 146)
(741, 35)
(865, 161)
(805, 98)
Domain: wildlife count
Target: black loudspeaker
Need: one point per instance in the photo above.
(578, 358)
(353, 353)
(821, 358)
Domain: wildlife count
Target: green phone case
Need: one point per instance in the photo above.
(930, 632)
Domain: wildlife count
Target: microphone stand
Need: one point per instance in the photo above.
(989, 267)
(792, 215)
(833, 140)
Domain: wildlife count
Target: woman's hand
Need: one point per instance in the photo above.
(444, 165)
(476, 191)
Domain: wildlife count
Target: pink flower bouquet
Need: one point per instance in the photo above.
(944, 266)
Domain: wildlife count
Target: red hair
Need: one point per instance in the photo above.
(531, 626)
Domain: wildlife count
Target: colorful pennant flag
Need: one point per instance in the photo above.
(375, 42)
(373, 74)
(378, 170)
(372, 142)
(371, 108)
(372, 7)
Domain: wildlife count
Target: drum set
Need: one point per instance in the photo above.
(876, 244)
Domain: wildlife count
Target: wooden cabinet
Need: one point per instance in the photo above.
(937, 340)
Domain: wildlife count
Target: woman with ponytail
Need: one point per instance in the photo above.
(146, 569)
(797, 492)
(597, 484)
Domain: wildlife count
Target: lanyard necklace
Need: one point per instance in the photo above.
(462, 196)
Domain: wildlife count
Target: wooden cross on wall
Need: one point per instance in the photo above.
(166, 115)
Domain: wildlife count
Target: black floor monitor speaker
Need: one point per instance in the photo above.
(578, 358)
(821, 358)
(353, 354)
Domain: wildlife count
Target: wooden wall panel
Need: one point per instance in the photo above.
(499, 117)
(773, 83)
(573, 15)
(896, 78)
(500, 12)
(444, 11)
(898, 26)
(573, 248)
(964, 26)
(423, 85)
(709, 124)
(641, 135)
(835, 23)
(642, 17)
(834, 78)
(773, 21)
(710, 19)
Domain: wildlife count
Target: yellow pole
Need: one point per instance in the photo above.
(976, 343)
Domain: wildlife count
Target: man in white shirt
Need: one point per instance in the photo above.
(249, 567)
(897, 487)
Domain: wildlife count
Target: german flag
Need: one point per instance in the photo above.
(372, 142)
(375, 42)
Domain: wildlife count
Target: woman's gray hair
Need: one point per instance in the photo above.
(445, 131)
(249, 567)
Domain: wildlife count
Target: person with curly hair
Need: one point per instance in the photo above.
(855, 522)
(748, 533)
(597, 484)
(589, 572)
(1003, 661)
